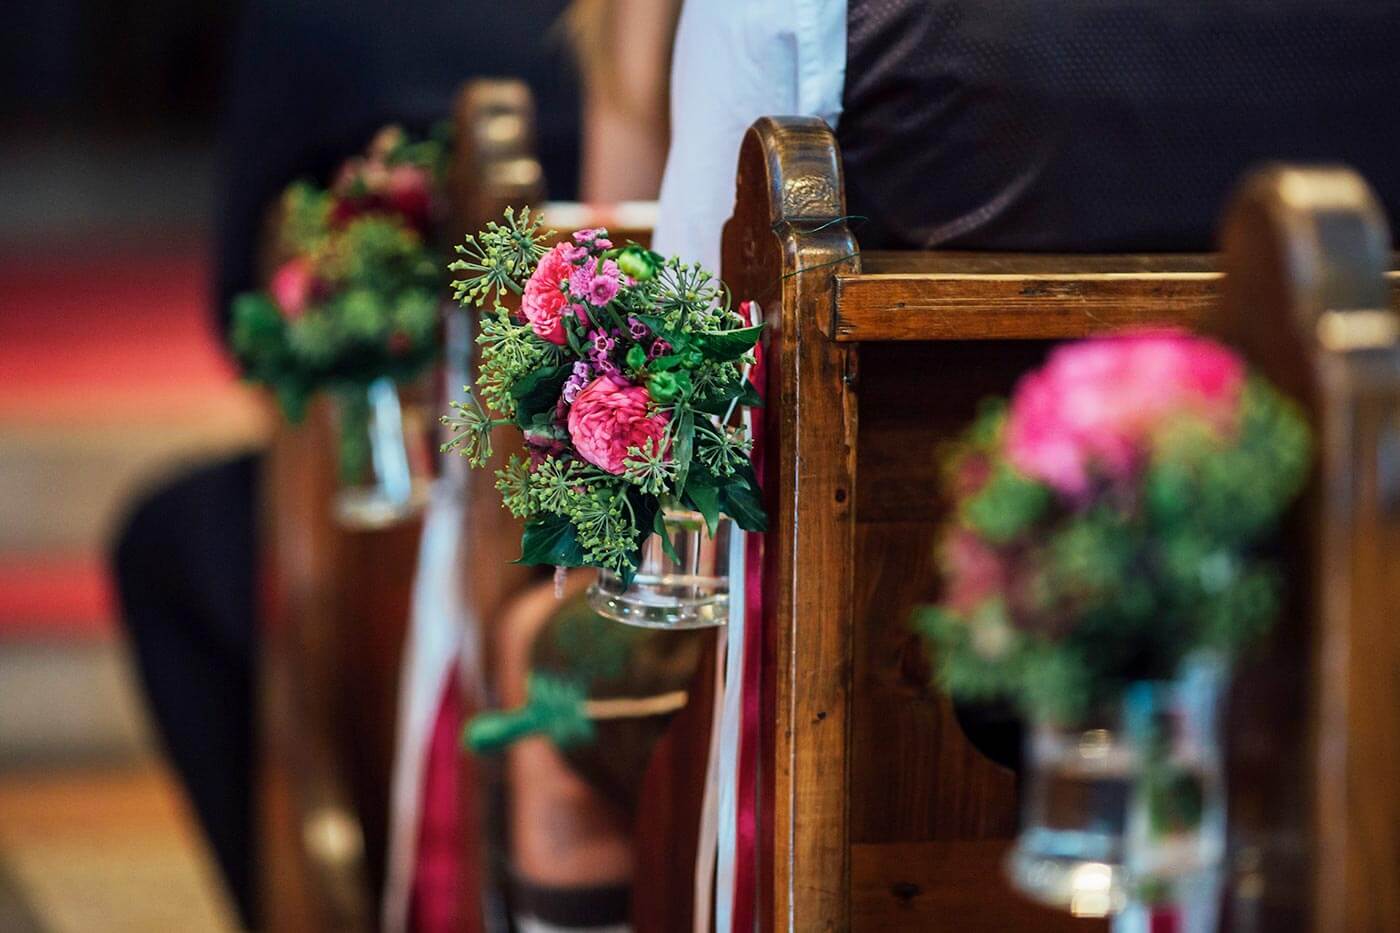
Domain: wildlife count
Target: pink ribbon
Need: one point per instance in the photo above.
(746, 776)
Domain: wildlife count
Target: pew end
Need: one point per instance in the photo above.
(878, 810)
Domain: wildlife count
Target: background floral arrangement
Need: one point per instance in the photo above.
(357, 292)
(624, 371)
(1112, 520)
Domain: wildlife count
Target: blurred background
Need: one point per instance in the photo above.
(111, 379)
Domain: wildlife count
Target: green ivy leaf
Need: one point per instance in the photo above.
(705, 500)
(539, 390)
(658, 525)
(717, 401)
(551, 540)
(723, 346)
(740, 500)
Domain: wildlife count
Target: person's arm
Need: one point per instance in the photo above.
(624, 50)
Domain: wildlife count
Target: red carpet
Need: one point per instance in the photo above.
(96, 336)
(125, 333)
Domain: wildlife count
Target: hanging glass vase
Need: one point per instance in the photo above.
(685, 588)
(385, 456)
(1129, 806)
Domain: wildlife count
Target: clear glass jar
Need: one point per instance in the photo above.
(692, 592)
(1130, 809)
(385, 456)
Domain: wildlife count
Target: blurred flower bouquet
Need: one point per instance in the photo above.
(353, 306)
(624, 371)
(1109, 530)
(1108, 522)
(356, 294)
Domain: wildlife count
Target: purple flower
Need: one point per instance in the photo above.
(581, 376)
(637, 329)
(602, 242)
(588, 236)
(658, 348)
(574, 254)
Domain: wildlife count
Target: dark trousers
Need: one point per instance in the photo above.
(184, 563)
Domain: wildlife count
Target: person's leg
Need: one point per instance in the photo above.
(184, 564)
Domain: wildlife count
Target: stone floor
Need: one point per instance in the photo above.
(103, 849)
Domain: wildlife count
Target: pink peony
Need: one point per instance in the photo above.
(608, 418)
(544, 300)
(1095, 404)
(291, 286)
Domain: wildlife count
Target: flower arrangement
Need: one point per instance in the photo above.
(356, 294)
(1112, 520)
(624, 371)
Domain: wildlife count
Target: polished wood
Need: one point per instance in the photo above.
(313, 868)
(925, 885)
(782, 248)
(962, 305)
(1316, 726)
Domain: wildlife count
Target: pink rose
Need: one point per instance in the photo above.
(609, 417)
(1096, 404)
(291, 286)
(544, 300)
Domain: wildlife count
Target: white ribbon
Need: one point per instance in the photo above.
(442, 641)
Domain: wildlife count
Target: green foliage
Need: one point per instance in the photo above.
(499, 259)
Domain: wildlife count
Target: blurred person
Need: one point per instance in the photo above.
(1031, 125)
(624, 54)
(310, 83)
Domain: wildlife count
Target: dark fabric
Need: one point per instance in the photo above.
(571, 907)
(313, 79)
(184, 572)
(1103, 125)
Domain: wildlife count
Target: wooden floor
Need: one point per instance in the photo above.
(109, 849)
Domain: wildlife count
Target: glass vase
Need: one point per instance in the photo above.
(1129, 807)
(385, 456)
(691, 592)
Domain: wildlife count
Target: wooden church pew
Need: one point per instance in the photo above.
(336, 607)
(877, 811)
(1315, 797)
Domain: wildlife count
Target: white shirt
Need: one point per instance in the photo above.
(736, 61)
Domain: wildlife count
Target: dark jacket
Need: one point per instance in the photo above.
(1103, 125)
(313, 79)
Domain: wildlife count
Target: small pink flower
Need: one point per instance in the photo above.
(611, 416)
(973, 571)
(1096, 404)
(291, 286)
(589, 235)
(575, 254)
(544, 301)
(604, 286)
